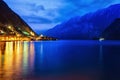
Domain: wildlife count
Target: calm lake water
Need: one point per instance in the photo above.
(60, 60)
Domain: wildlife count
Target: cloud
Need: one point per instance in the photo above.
(81, 7)
(48, 13)
(37, 8)
(35, 19)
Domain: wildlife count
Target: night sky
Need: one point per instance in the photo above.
(45, 14)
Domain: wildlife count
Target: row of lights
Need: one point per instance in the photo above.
(11, 38)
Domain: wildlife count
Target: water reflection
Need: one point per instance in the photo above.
(15, 57)
(87, 59)
(101, 54)
(41, 52)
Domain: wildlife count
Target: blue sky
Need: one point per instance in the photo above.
(45, 14)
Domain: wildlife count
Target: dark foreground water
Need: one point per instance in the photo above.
(60, 60)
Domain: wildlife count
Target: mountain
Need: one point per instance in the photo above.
(112, 32)
(12, 24)
(89, 26)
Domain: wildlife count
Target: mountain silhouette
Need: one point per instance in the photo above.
(89, 26)
(12, 24)
(112, 32)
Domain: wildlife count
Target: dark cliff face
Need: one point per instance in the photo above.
(10, 22)
(113, 31)
(89, 26)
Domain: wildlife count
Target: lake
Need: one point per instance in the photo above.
(60, 60)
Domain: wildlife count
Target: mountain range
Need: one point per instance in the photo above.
(89, 26)
(12, 24)
(112, 32)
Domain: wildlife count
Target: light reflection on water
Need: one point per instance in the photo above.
(93, 59)
(15, 57)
